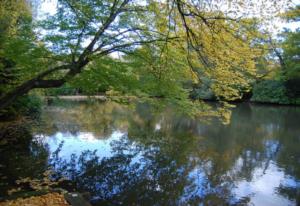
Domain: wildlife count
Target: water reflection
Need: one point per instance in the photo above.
(126, 156)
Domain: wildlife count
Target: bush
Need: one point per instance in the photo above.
(293, 87)
(30, 105)
(27, 105)
(270, 91)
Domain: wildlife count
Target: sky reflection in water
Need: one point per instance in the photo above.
(261, 189)
(161, 158)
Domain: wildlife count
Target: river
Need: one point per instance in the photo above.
(135, 155)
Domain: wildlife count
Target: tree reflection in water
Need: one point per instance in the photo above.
(167, 159)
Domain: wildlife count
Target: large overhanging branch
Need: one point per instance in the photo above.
(100, 46)
(76, 66)
(122, 36)
(121, 47)
(115, 11)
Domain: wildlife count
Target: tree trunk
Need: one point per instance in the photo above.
(38, 82)
(8, 98)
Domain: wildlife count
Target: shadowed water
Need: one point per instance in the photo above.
(136, 156)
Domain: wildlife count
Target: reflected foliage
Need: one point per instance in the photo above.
(167, 159)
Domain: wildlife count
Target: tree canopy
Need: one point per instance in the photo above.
(162, 45)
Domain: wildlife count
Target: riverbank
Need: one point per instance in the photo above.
(129, 98)
(77, 97)
(101, 98)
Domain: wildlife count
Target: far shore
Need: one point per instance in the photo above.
(89, 97)
(105, 98)
(78, 97)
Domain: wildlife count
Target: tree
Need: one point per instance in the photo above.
(82, 31)
(288, 55)
(291, 51)
(14, 14)
(290, 45)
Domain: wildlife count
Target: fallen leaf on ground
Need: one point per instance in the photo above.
(51, 199)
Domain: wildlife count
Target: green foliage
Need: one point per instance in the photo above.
(11, 12)
(203, 91)
(270, 91)
(291, 45)
(18, 56)
(231, 59)
(28, 105)
(105, 74)
(291, 56)
(291, 51)
(160, 73)
(66, 89)
(22, 56)
(283, 86)
(162, 45)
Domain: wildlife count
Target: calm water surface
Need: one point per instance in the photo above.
(136, 156)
